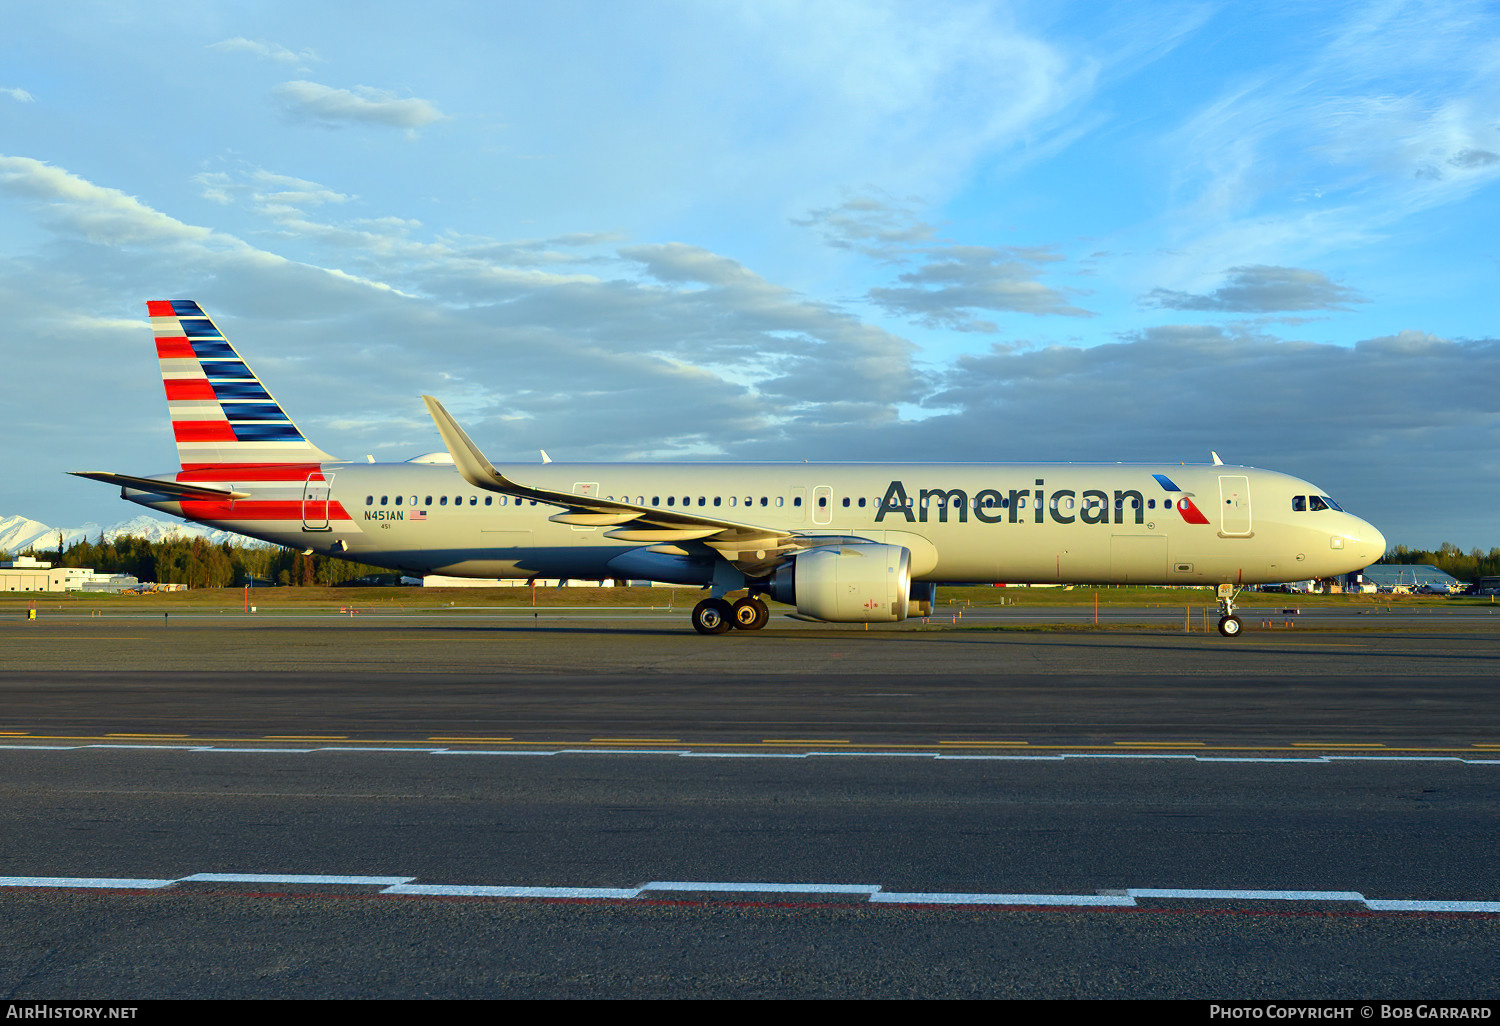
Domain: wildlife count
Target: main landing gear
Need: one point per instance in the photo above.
(1229, 624)
(716, 615)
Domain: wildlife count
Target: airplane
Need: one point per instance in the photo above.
(840, 542)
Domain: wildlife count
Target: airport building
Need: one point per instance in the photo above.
(27, 573)
(1389, 577)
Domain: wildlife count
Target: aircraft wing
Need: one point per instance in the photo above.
(752, 549)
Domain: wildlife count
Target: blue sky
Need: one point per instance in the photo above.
(987, 231)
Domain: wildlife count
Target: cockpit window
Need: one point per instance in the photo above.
(1299, 504)
(1315, 503)
(1331, 503)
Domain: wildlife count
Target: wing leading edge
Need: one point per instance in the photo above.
(754, 550)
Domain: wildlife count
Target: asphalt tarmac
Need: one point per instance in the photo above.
(326, 806)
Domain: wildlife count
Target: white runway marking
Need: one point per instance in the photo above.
(377, 881)
(112, 883)
(488, 891)
(708, 887)
(874, 893)
(690, 753)
(1232, 895)
(1104, 900)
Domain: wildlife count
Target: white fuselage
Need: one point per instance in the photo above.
(1037, 523)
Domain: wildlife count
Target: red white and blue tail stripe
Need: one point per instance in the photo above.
(221, 413)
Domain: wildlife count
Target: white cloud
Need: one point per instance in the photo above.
(951, 280)
(19, 95)
(98, 214)
(266, 51)
(363, 105)
(1385, 114)
(1263, 290)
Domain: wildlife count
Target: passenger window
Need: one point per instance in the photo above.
(473, 500)
(846, 502)
(861, 502)
(442, 500)
(398, 500)
(488, 499)
(656, 500)
(764, 501)
(822, 502)
(797, 500)
(382, 500)
(671, 500)
(717, 500)
(780, 500)
(369, 500)
(429, 501)
(702, 501)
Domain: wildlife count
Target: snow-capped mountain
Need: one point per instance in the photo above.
(17, 533)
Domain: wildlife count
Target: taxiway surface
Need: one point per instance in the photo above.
(226, 806)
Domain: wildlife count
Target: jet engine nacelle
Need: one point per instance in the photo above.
(847, 583)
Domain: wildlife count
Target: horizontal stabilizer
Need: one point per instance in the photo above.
(151, 484)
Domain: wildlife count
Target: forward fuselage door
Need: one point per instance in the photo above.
(315, 491)
(1234, 506)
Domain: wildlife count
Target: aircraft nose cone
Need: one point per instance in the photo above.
(1369, 543)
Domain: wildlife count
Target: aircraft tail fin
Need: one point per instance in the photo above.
(221, 413)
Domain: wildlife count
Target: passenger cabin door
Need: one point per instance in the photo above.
(1234, 506)
(315, 494)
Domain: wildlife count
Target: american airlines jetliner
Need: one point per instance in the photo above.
(841, 542)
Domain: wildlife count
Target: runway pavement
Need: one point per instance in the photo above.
(584, 806)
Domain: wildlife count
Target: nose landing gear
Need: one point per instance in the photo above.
(1229, 624)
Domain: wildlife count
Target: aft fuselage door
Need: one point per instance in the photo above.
(315, 492)
(1234, 506)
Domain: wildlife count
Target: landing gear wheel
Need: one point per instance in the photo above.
(712, 616)
(1229, 624)
(750, 614)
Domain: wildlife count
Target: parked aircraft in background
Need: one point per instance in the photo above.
(841, 542)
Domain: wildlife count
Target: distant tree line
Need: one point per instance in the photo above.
(202, 564)
(1466, 566)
